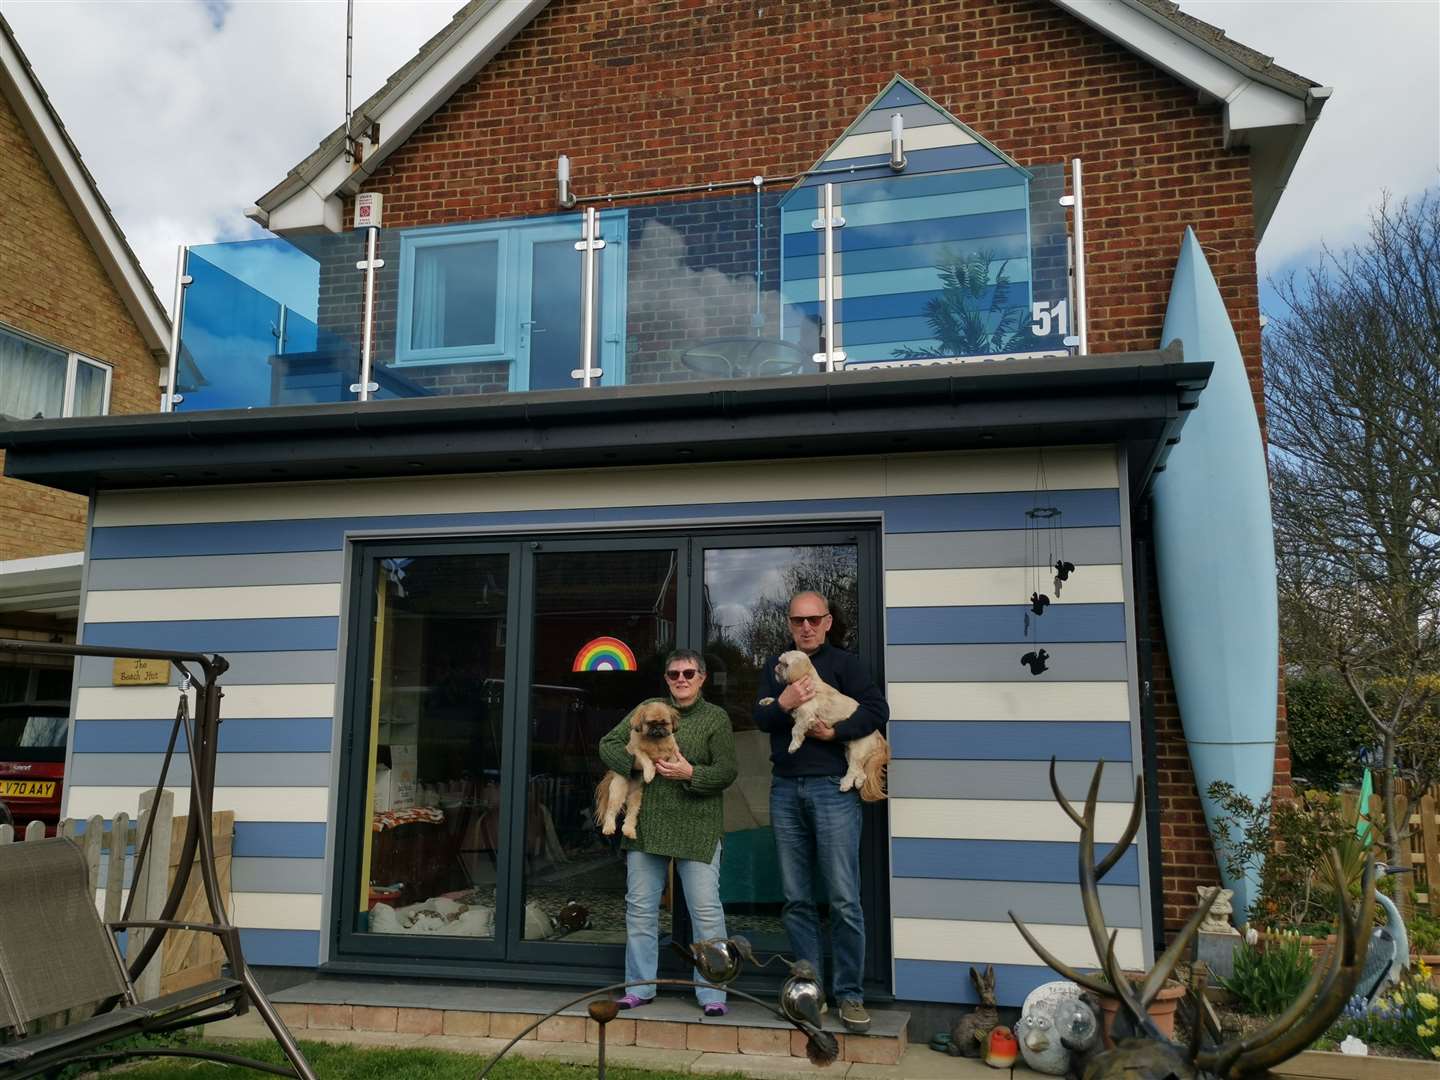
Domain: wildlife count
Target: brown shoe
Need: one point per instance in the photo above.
(854, 1016)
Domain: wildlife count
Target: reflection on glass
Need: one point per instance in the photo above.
(747, 603)
(437, 689)
(574, 878)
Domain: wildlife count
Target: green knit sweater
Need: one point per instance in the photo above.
(683, 819)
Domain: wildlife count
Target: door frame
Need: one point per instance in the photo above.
(507, 953)
(610, 301)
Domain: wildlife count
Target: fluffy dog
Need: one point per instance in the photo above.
(652, 739)
(865, 758)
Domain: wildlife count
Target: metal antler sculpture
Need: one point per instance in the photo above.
(720, 961)
(1141, 1052)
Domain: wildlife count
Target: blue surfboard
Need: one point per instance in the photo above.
(1215, 557)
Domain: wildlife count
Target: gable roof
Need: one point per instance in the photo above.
(1266, 107)
(46, 131)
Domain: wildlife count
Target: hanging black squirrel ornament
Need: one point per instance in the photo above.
(1036, 661)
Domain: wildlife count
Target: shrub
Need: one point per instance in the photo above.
(1327, 730)
(1295, 838)
(1268, 977)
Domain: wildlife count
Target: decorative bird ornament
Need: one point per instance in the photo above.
(1389, 956)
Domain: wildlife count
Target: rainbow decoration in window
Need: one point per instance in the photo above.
(604, 654)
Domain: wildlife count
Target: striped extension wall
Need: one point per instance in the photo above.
(973, 828)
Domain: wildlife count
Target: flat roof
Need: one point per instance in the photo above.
(1138, 400)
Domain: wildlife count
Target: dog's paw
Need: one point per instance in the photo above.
(609, 828)
(629, 831)
(795, 744)
(767, 701)
(847, 783)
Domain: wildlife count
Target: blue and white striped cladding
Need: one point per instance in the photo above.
(256, 573)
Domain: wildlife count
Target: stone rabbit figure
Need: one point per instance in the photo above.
(967, 1038)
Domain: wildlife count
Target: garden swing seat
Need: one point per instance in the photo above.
(65, 992)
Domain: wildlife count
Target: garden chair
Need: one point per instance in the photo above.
(57, 957)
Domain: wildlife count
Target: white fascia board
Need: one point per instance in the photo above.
(45, 583)
(307, 211)
(1249, 102)
(408, 106)
(80, 196)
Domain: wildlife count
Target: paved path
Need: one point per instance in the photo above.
(918, 1063)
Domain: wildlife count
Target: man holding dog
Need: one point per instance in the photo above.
(816, 825)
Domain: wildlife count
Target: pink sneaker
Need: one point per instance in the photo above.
(631, 1001)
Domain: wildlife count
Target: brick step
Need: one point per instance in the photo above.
(426, 1008)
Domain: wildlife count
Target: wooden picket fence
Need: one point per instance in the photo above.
(1419, 841)
(187, 957)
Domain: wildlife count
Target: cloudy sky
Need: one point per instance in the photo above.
(187, 110)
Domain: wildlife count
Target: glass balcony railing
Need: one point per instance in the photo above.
(938, 267)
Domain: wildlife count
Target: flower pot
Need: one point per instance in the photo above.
(1162, 1009)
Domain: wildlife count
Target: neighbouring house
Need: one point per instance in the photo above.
(81, 335)
(672, 309)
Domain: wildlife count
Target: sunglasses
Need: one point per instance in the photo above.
(681, 673)
(813, 620)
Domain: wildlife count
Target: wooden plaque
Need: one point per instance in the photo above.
(140, 673)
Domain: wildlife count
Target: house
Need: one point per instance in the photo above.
(667, 314)
(81, 335)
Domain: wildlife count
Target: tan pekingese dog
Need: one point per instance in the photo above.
(652, 739)
(866, 758)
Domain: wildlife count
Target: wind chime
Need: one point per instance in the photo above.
(1044, 557)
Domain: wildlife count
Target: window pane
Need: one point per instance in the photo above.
(454, 295)
(432, 831)
(89, 390)
(32, 378)
(587, 604)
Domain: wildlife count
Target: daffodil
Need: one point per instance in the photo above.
(1427, 1001)
(1435, 1050)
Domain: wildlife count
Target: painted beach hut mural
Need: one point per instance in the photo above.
(797, 323)
(961, 253)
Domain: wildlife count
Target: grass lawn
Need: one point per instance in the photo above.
(340, 1062)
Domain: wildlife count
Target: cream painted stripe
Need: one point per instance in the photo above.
(1071, 701)
(1001, 470)
(999, 819)
(962, 941)
(823, 478)
(878, 142)
(249, 803)
(259, 702)
(229, 602)
(276, 911)
(1000, 585)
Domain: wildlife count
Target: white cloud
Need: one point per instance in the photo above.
(1379, 132)
(187, 111)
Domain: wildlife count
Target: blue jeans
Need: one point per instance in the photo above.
(817, 827)
(644, 883)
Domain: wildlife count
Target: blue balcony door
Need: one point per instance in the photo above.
(550, 292)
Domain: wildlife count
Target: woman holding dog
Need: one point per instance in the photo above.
(681, 818)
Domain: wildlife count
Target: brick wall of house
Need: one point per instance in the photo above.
(652, 93)
(53, 287)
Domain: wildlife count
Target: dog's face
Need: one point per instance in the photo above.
(655, 721)
(793, 666)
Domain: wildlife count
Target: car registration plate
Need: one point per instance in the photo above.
(27, 789)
